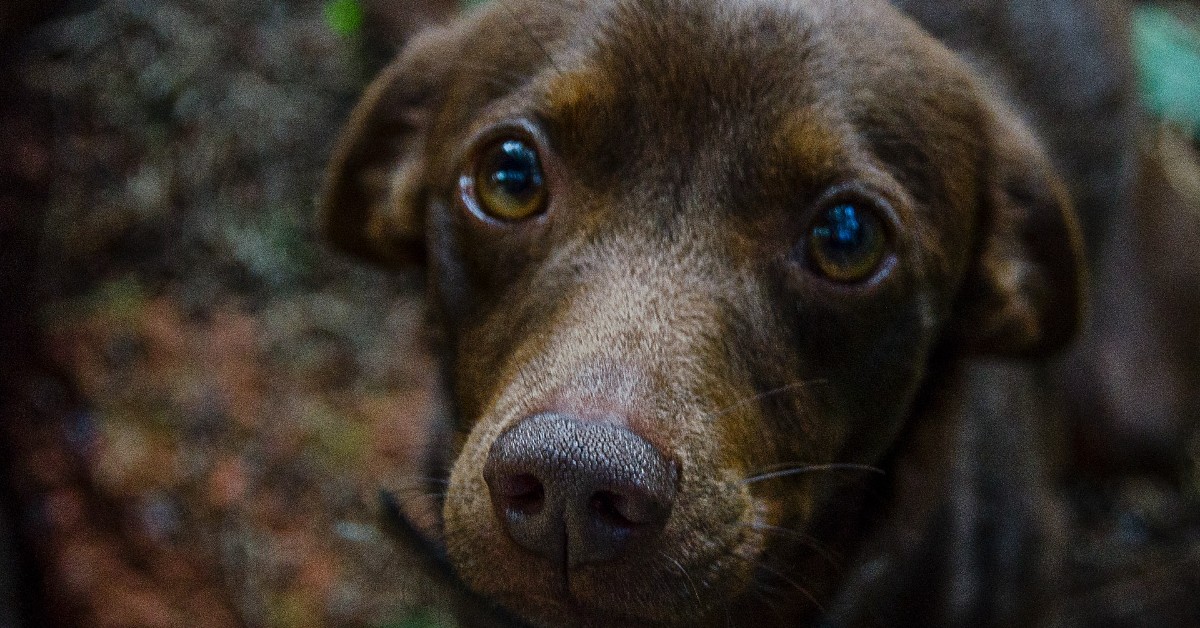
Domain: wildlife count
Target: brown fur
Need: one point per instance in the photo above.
(686, 144)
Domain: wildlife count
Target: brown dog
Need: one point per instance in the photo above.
(743, 305)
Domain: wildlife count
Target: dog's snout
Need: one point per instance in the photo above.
(578, 492)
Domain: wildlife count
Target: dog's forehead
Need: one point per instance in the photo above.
(666, 67)
(679, 78)
(739, 93)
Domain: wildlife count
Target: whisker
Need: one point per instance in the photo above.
(761, 595)
(691, 584)
(770, 393)
(759, 589)
(529, 33)
(813, 468)
(803, 591)
(805, 539)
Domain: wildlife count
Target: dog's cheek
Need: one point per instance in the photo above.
(449, 287)
(466, 270)
(872, 356)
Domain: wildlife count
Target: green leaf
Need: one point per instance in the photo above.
(344, 17)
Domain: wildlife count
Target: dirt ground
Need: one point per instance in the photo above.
(199, 394)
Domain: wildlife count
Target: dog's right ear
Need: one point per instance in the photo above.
(372, 202)
(1025, 296)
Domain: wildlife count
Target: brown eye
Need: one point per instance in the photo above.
(509, 181)
(847, 243)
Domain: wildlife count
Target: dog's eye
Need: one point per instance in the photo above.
(510, 182)
(847, 243)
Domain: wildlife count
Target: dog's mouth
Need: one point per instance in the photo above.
(660, 585)
(665, 581)
(418, 540)
(566, 610)
(656, 588)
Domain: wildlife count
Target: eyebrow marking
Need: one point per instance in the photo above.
(805, 139)
(579, 93)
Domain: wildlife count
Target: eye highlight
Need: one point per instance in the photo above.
(847, 243)
(509, 182)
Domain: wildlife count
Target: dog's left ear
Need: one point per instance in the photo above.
(371, 204)
(1024, 295)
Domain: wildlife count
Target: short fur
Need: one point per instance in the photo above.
(686, 144)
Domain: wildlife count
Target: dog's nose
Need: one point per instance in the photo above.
(578, 492)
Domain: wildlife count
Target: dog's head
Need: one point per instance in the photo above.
(693, 262)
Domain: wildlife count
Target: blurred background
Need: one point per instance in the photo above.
(196, 393)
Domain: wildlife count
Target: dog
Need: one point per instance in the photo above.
(745, 306)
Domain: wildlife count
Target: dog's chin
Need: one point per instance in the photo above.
(638, 593)
(534, 594)
(648, 587)
(553, 612)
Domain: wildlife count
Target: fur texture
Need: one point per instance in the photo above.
(687, 145)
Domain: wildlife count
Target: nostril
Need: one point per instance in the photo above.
(607, 507)
(522, 493)
(630, 509)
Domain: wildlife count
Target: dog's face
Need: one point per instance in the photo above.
(675, 245)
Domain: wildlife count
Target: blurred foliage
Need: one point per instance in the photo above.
(345, 17)
(422, 619)
(1168, 53)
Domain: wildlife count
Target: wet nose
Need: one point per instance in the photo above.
(578, 492)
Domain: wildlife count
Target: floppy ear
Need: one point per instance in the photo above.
(372, 201)
(1024, 296)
